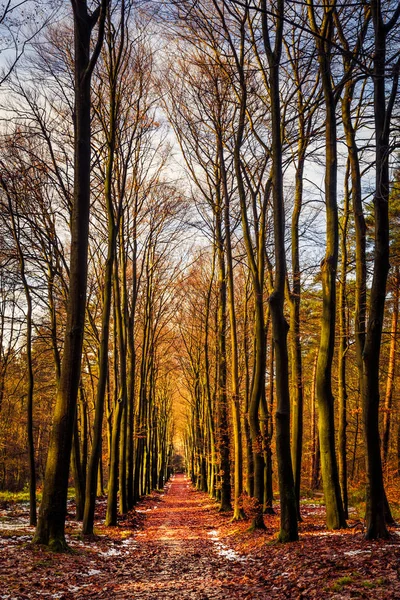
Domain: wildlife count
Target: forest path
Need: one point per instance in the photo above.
(181, 555)
(176, 546)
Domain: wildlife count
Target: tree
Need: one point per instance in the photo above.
(288, 531)
(333, 500)
(383, 109)
(50, 528)
(116, 55)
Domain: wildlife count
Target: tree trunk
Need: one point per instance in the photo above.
(249, 449)
(375, 508)
(51, 524)
(387, 415)
(288, 516)
(334, 507)
(119, 410)
(235, 398)
(343, 346)
(315, 453)
(294, 329)
(78, 473)
(223, 433)
(93, 470)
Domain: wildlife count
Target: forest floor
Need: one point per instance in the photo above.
(175, 545)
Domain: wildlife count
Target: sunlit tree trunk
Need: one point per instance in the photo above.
(390, 382)
(343, 347)
(334, 507)
(93, 469)
(209, 402)
(248, 444)
(315, 452)
(29, 362)
(269, 433)
(288, 515)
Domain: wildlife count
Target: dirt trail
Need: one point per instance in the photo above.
(176, 546)
(182, 555)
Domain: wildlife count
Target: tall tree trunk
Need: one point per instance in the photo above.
(93, 469)
(78, 473)
(123, 330)
(119, 409)
(29, 361)
(132, 374)
(294, 323)
(315, 453)
(51, 524)
(343, 347)
(223, 432)
(209, 402)
(387, 415)
(288, 516)
(257, 276)
(247, 433)
(269, 434)
(334, 507)
(383, 107)
(235, 398)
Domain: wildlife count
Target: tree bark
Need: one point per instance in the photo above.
(51, 524)
(334, 507)
(288, 515)
(383, 107)
(387, 415)
(343, 347)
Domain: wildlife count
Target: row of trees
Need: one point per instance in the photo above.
(88, 177)
(260, 93)
(264, 100)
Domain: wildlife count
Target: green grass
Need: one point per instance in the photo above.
(23, 496)
(341, 583)
(14, 497)
(369, 585)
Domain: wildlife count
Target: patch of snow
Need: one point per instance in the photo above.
(213, 533)
(356, 552)
(230, 554)
(14, 524)
(129, 542)
(223, 550)
(111, 552)
(90, 572)
(93, 572)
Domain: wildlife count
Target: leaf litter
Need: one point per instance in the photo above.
(186, 549)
